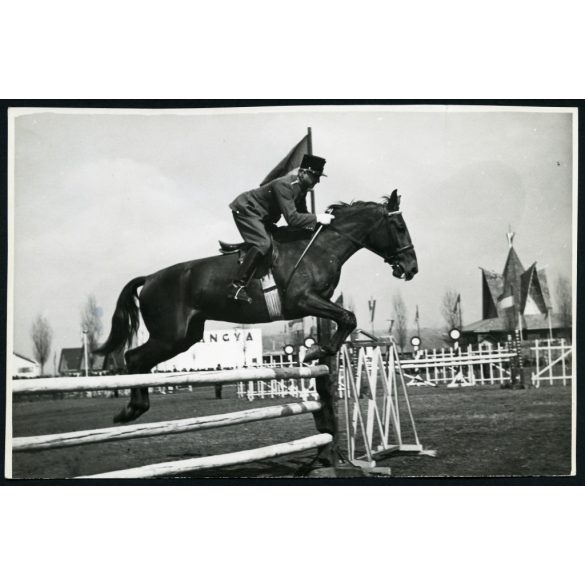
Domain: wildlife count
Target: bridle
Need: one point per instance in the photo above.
(389, 259)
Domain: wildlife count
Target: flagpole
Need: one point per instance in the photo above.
(323, 325)
(310, 151)
(459, 307)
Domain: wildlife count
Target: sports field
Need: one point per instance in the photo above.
(477, 432)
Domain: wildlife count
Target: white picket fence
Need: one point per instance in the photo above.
(469, 366)
(473, 365)
(554, 362)
(304, 389)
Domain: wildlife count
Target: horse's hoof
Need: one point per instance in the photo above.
(123, 416)
(314, 352)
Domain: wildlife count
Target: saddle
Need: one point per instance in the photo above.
(278, 234)
(226, 248)
(264, 265)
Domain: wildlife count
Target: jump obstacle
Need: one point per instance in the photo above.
(317, 408)
(370, 435)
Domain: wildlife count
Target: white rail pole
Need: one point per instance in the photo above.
(212, 461)
(121, 433)
(98, 383)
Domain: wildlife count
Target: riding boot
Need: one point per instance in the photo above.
(237, 289)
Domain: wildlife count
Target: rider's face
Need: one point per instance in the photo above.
(308, 180)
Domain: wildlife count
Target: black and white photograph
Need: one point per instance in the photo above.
(291, 292)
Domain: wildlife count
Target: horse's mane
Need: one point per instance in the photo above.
(340, 205)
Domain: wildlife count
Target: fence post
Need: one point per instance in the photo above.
(326, 419)
(563, 356)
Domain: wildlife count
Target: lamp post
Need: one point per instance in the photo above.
(415, 342)
(85, 352)
(455, 335)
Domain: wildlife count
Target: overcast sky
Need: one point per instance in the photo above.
(100, 198)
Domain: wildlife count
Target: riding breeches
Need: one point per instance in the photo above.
(253, 230)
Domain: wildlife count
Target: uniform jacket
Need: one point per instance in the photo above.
(281, 197)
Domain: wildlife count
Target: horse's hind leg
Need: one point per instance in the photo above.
(141, 360)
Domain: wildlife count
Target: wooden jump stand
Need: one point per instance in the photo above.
(378, 414)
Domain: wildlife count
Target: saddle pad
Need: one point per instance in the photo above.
(271, 296)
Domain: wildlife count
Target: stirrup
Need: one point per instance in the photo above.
(238, 292)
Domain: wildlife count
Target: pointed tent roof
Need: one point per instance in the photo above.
(522, 285)
(492, 288)
(23, 357)
(543, 282)
(532, 288)
(511, 275)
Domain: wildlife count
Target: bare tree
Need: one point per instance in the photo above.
(42, 336)
(449, 310)
(91, 324)
(400, 316)
(564, 302)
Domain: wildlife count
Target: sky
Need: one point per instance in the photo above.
(99, 198)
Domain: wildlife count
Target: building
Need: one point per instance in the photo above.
(224, 348)
(72, 362)
(518, 299)
(23, 367)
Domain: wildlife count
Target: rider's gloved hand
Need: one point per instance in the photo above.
(325, 218)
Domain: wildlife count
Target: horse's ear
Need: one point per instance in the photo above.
(394, 201)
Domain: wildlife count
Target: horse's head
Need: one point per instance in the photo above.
(390, 239)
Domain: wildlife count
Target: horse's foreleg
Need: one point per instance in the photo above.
(325, 350)
(344, 319)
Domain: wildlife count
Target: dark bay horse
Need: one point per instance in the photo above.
(176, 301)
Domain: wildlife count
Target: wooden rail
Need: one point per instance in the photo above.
(121, 433)
(100, 383)
(213, 461)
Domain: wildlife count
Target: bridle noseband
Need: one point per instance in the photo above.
(389, 259)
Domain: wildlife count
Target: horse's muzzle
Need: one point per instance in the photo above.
(399, 272)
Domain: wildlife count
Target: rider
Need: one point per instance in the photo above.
(254, 210)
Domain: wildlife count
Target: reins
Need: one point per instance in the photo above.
(361, 244)
(302, 256)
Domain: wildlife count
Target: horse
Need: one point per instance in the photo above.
(175, 302)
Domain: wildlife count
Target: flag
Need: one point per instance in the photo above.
(372, 307)
(506, 302)
(339, 300)
(291, 161)
(457, 302)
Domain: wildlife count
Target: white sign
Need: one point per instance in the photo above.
(223, 348)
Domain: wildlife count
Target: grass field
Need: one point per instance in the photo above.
(477, 432)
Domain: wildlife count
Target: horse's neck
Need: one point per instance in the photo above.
(350, 231)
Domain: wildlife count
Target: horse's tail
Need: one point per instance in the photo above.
(126, 318)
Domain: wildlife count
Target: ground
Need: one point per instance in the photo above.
(477, 432)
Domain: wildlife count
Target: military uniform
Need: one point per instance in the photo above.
(256, 209)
